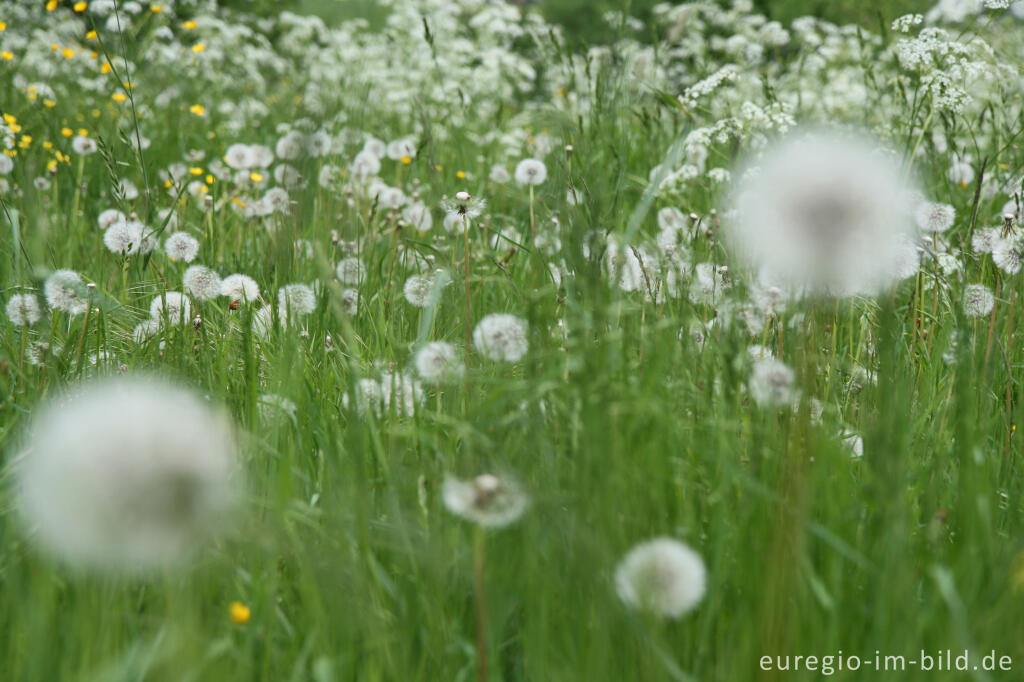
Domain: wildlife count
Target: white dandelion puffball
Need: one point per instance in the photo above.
(124, 237)
(126, 474)
(486, 500)
(64, 291)
(934, 217)
(202, 282)
(173, 307)
(978, 300)
(662, 576)
(824, 215)
(239, 287)
(296, 300)
(23, 310)
(350, 271)
(772, 383)
(84, 145)
(109, 217)
(501, 336)
(531, 172)
(438, 362)
(181, 246)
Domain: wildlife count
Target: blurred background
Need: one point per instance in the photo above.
(583, 18)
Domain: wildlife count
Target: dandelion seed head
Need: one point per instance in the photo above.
(438, 362)
(65, 291)
(531, 172)
(23, 310)
(772, 383)
(172, 307)
(487, 500)
(500, 336)
(181, 246)
(240, 287)
(661, 576)
(201, 282)
(126, 475)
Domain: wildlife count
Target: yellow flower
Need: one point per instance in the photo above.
(7, 56)
(406, 160)
(80, 6)
(119, 97)
(67, 132)
(83, 132)
(255, 177)
(238, 202)
(209, 179)
(3, 25)
(91, 35)
(239, 613)
(437, 167)
(51, 5)
(11, 152)
(189, 25)
(461, 175)
(47, 144)
(197, 109)
(106, 68)
(195, 171)
(25, 141)
(67, 53)
(49, 103)
(10, 118)
(157, 9)
(199, 47)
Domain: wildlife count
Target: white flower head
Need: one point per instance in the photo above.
(772, 383)
(126, 475)
(824, 215)
(531, 172)
(65, 291)
(172, 307)
(932, 217)
(350, 271)
(296, 300)
(23, 310)
(181, 246)
(240, 288)
(500, 336)
(487, 500)
(661, 576)
(978, 300)
(201, 282)
(438, 362)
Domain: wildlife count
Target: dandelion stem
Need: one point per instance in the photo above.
(479, 561)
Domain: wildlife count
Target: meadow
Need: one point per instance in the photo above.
(383, 350)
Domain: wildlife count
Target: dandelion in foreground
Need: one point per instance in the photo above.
(501, 336)
(978, 300)
(296, 300)
(172, 307)
(825, 215)
(438, 362)
(65, 291)
(181, 246)
(531, 172)
(201, 282)
(239, 287)
(126, 475)
(772, 383)
(934, 217)
(487, 500)
(661, 576)
(23, 310)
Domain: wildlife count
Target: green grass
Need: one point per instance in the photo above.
(623, 429)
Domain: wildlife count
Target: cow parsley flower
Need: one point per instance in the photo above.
(126, 475)
(487, 500)
(23, 310)
(500, 336)
(661, 576)
(824, 215)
